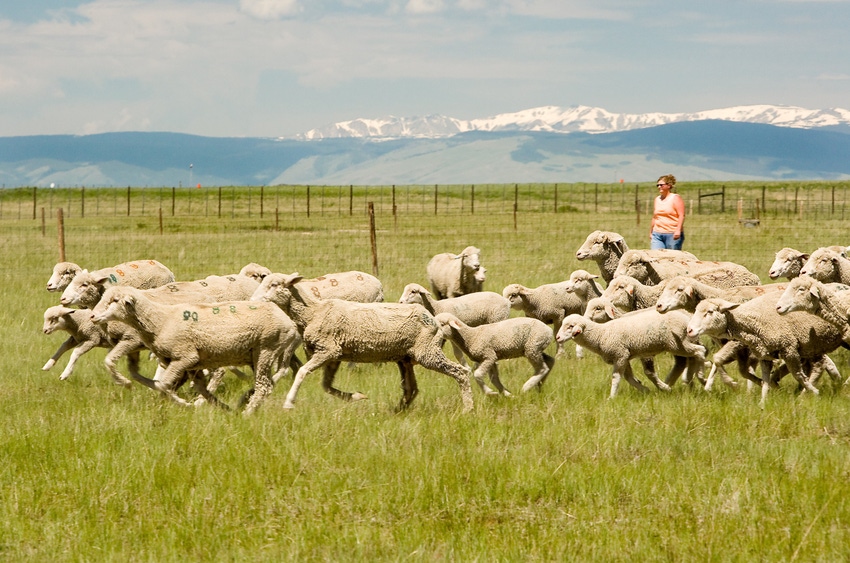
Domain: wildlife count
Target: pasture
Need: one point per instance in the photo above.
(94, 472)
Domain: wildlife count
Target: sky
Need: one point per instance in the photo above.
(276, 68)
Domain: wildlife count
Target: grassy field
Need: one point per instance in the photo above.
(94, 472)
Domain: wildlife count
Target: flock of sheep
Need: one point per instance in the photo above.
(654, 302)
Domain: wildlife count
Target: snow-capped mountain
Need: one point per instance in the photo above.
(571, 119)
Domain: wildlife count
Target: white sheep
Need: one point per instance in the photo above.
(83, 335)
(641, 334)
(473, 309)
(143, 274)
(452, 275)
(758, 325)
(255, 271)
(340, 331)
(86, 290)
(827, 265)
(651, 270)
(549, 303)
(295, 295)
(607, 247)
(629, 294)
(188, 338)
(831, 302)
(788, 262)
(511, 338)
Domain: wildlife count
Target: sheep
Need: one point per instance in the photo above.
(606, 248)
(788, 262)
(84, 335)
(86, 290)
(191, 337)
(831, 302)
(473, 309)
(827, 266)
(684, 292)
(255, 271)
(407, 334)
(643, 333)
(758, 325)
(651, 270)
(509, 338)
(629, 294)
(295, 295)
(452, 275)
(549, 303)
(143, 274)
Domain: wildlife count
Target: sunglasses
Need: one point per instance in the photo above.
(659, 185)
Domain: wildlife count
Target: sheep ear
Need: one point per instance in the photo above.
(63, 311)
(813, 289)
(630, 289)
(292, 279)
(689, 291)
(577, 329)
(612, 311)
(100, 280)
(454, 323)
(619, 244)
(728, 306)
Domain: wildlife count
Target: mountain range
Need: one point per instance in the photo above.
(549, 144)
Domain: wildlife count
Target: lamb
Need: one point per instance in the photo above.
(827, 265)
(549, 303)
(651, 270)
(452, 275)
(758, 325)
(188, 338)
(606, 248)
(510, 338)
(641, 334)
(84, 335)
(831, 302)
(143, 274)
(406, 334)
(87, 289)
(583, 284)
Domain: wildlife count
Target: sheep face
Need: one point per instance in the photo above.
(710, 318)
(413, 293)
(674, 296)
(63, 273)
(514, 293)
(56, 318)
(619, 292)
(822, 265)
(598, 245)
(600, 310)
(255, 272)
(787, 264)
(572, 326)
(276, 288)
(635, 267)
(113, 306)
(85, 288)
(802, 294)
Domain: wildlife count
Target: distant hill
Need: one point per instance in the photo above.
(693, 150)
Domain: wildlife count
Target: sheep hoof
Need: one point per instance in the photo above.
(64, 376)
(199, 401)
(664, 387)
(48, 365)
(358, 397)
(288, 405)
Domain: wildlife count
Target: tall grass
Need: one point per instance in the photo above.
(93, 472)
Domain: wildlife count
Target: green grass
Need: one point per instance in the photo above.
(93, 472)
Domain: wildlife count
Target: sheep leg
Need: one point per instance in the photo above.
(630, 377)
(435, 360)
(542, 369)
(200, 382)
(766, 366)
(459, 354)
(75, 355)
(484, 367)
(409, 387)
(123, 348)
(172, 376)
(497, 382)
(263, 383)
(328, 377)
(317, 360)
(796, 369)
(64, 347)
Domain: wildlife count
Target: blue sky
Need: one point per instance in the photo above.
(281, 67)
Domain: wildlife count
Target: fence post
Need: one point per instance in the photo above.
(43, 223)
(276, 219)
(516, 203)
(34, 201)
(351, 199)
(637, 205)
(763, 200)
(83, 204)
(160, 220)
(699, 201)
(472, 200)
(373, 239)
(308, 201)
(128, 201)
(395, 217)
(435, 199)
(556, 197)
(173, 199)
(596, 198)
(60, 218)
(723, 200)
(262, 195)
(832, 210)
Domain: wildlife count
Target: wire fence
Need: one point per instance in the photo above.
(812, 200)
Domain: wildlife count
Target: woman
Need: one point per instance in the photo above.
(668, 216)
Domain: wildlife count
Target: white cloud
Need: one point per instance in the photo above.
(269, 9)
(834, 76)
(424, 6)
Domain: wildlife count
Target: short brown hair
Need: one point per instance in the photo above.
(668, 179)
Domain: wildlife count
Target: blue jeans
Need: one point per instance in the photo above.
(666, 240)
